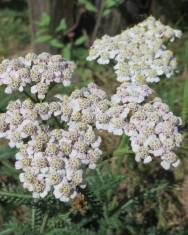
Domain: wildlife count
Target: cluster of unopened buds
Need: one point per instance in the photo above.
(56, 140)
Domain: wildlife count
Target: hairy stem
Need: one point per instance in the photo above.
(44, 223)
(33, 218)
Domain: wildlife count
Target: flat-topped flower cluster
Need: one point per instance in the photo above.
(139, 53)
(56, 139)
(54, 158)
(153, 132)
(38, 71)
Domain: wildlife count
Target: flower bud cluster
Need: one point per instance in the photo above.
(40, 71)
(153, 131)
(140, 53)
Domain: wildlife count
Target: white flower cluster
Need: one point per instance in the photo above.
(19, 122)
(57, 161)
(141, 57)
(151, 127)
(125, 102)
(83, 106)
(131, 93)
(153, 132)
(40, 71)
(140, 53)
(52, 159)
(54, 156)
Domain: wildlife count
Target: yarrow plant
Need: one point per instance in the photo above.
(56, 139)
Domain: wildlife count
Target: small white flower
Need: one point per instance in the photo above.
(63, 191)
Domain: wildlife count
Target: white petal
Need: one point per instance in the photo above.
(147, 159)
(20, 88)
(66, 82)
(72, 196)
(137, 158)
(36, 195)
(8, 90)
(115, 99)
(41, 97)
(18, 165)
(96, 143)
(165, 165)
(11, 144)
(22, 177)
(118, 131)
(92, 166)
(176, 164)
(34, 89)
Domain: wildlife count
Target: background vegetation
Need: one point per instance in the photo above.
(122, 197)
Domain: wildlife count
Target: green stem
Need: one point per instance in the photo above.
(28, 95)
(44, 223)
(33, 218)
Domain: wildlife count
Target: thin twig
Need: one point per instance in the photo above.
(75, 25)
(98, 21)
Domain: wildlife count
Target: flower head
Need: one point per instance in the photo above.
(43, 70)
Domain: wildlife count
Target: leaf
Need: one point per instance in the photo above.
(20, 196)
(6, 152)
(56, 43)
(122, 151)
(115, 3)
(40, 32)
(44, 20)
(44, 38)
(62, 26)
(109, 4)
(67, 51)
(81, 40)
(59, 219)
(9, 169)
(106, 12)
(88, 5)
(123, 148)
